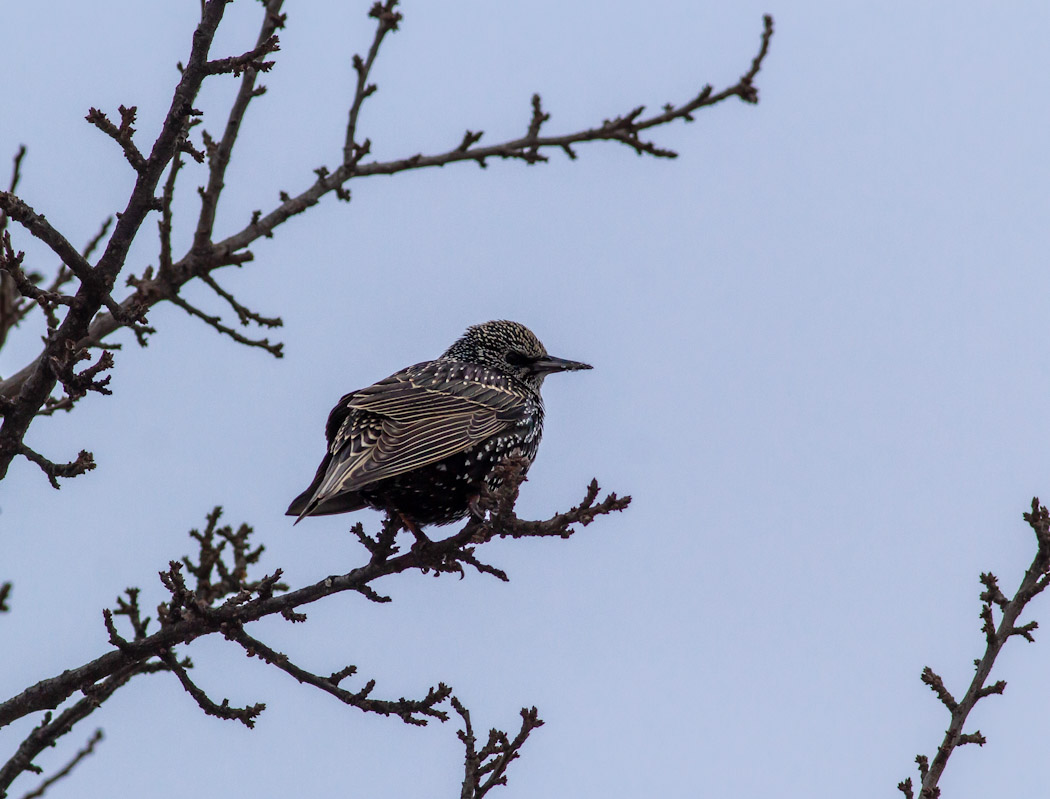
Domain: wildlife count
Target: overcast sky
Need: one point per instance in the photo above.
(821, 369)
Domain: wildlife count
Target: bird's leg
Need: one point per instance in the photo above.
(474, 506)
(421, 539)
(477, 515)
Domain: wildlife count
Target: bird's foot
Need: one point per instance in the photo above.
(422, 541)
(478, 517)
(476, 511)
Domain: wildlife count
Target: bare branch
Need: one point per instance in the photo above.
(92, 245)
(164, 225)
(275, 349)
(52, 728)
(129, 608)
(34, 384)
(206, 255)
(187, 617)
(121, 135)
(995, 688)
(16, 175)
(225, 556)
(250, 60)
(219, 157)
(63, 275)
(505, 524)
(11, 266)
(935, 682)
(88, 748)
(387, 21)
(408, 710)
(245, 315)
(245, 715)
(1033, 583)
(485, 768)
(41, 229)
(225, 600)
(624, 129)
(77, 384)
(923, 764)
(85, 462)
(469, 138)
(10, 311)
(992, 592)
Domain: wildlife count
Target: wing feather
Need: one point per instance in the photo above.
(414, 418)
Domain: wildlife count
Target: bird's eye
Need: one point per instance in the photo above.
(515, 358)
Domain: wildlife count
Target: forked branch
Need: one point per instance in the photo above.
(92, 321)
(996, 635)
(214, 593)
(486, 768)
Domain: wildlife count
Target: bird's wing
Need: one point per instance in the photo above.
(412, 419)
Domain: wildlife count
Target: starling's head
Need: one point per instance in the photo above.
(510, 348)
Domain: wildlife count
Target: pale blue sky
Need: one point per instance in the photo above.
(821, 368)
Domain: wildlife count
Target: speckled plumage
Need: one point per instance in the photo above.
(422, 442)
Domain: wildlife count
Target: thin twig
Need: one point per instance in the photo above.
(239, 64)
(63, 275)
(121, 135)
(16, 175)
(246, 715)
(11, 267)
(486, 768)
(410, 711)
(164, 224)
(219, 157)
(245, 315)
(1035, 580)
(12, 310)
(88, 748)
(275, 349)
(52, 728)
(85, 462)
(40, 228)
(387, 21)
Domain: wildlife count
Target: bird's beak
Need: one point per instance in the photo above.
(548, 364)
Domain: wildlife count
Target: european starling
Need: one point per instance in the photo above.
(423, 442)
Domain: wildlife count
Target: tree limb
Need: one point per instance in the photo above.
(485, 768)
(188, 617)
(1032, 584)
(35, 387)
(410, 711)
(51, 728)
(206, 255)
(9, 305)
(65, 771)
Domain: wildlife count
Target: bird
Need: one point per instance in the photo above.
(423, 443)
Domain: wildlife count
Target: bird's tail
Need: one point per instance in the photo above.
(327, 494)
(302, 506)
(311, 503)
